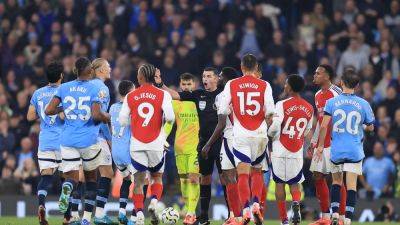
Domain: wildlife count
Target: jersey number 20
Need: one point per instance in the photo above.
(349, 118)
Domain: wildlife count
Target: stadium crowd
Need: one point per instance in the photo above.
(186, 36)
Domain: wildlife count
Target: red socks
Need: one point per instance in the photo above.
(343, 196)
(233, 199)
(322, 191)
(156, 190)
(138, 201)
(256, 185)
(243, 186)
(296, 195)
(282, 210)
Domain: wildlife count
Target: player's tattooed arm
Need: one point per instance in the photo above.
(53, 108)
(98, 115)
(160, 84)
(31, 115)
(322, 133)
(216, 135)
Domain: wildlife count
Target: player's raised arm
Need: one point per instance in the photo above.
(158, 83)
(52, 108)
(125, 112)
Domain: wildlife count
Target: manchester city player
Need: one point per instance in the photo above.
(349, 114)
(49, 156)
(81, 103)
(121, 136)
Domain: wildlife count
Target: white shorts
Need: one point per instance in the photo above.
(125, 170)
(287, 170)
(250, 150)
(226, 156)
(145, 160)
(88, 158)
(347, 167)
(105, 154)
(323, 166)
(49, 160)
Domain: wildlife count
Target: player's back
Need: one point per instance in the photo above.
(349, 112)
(187, 124)
(251, 98)
(77, 97)
(228, 130)
(50, 126)
(145, 104)
(121, 135)
(296, 114)
(104, 93)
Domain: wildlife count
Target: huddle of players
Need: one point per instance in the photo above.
(243, 111)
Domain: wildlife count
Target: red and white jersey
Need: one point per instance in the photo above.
(320, 100)
(146, 107)
(251, 100)
(291, 122)
(228, 131)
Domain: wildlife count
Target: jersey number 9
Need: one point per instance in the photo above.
(146, 111)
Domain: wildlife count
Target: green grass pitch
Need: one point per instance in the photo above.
(8, 220)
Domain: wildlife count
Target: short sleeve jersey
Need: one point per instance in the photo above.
(349, 112)
(77, 97)
(50, 126)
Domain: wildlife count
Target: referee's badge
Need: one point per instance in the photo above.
(202, 105)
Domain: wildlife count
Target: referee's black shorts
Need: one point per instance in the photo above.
(207, 165)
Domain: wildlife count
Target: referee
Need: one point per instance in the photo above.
(208, 119)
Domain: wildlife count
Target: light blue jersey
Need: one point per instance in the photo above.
(104, 92)
(50, 126)
(349, 112)
(77, 97)
(120, 137)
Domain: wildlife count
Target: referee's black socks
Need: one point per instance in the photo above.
(205, 197)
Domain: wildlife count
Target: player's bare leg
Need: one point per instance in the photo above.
(337, 182)
(103, 191)
(193, 192)
(90, 194)
(296, 196)
(138, 198)
(243, 171)
(280, 197)
(232, 193)
(156, 188)
(45, 181)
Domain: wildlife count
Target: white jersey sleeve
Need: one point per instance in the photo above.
(275, 128)
(124, 114)
(167, 108)
(269, 105)
(225, 100)
(309, 126)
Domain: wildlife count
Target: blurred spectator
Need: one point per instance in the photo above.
(379, 173)
(353, 56)
(26, 151)
(8, 168)
(28, 175)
